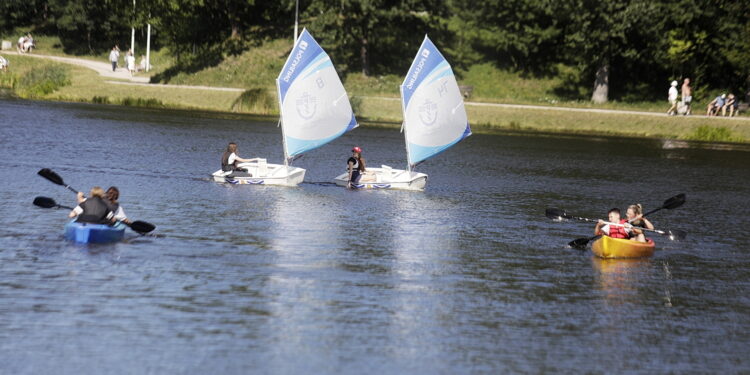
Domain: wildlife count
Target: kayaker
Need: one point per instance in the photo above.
(93, 209)
(230, 160)
(614, 231)
(112, 195)
(635, 218)
(355, 166)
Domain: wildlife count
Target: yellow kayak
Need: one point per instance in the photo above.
(608, 247)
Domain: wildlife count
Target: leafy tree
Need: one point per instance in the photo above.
(375, 35)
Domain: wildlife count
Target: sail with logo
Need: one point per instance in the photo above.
(315, 110)
(434, 120)
(434, 114)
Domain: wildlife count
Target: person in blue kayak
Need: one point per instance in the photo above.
(614, 231)
(355, 167)
(230, 161)
(112, 195)
(93, 209)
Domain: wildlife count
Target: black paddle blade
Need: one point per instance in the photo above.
(142, 226)
(45, 202)
(555, 214)
(579, 243)
(674, 202)
(52, 176)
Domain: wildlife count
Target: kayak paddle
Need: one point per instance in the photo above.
(670, 204)
(138, 226)
(141, 227)
(54, 178)
(45, 202)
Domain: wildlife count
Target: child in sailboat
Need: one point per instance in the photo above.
(230, 161)
(355, 166)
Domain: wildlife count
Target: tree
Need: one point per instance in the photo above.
(612, 36)
(523, 35)
(374, 35)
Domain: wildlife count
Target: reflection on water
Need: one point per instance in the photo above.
(465, 277)
(619, 279)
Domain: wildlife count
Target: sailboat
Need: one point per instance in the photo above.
(434, 120)
(314, 109)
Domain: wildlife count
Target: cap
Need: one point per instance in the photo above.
(674, 83)
(357, 149)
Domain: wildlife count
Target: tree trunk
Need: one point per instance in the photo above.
(601, 84)
(364, 57)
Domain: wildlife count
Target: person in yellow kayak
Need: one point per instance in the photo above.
(615, 231)
(635, 218)
(93, 209)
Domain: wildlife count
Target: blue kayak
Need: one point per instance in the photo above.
(94, 233)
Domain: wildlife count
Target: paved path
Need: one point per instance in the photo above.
(570, 109)
(101, 67)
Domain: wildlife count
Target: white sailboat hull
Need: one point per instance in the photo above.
(263, 174)
(386, 178)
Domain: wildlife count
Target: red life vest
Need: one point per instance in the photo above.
(618, 232)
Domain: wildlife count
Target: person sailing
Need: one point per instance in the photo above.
(112, 195)
(230, 162)
(355, 167)
(614, 231)
(635, 217)
(93, 209)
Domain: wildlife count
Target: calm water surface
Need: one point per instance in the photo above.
(466, 277)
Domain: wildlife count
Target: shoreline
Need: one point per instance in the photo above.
(88, 86)
(668, 142)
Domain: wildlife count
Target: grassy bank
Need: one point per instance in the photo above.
(372, 98)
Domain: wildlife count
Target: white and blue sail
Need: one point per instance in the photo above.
(315, 108)
(434, 114)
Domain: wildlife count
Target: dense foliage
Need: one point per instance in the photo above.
(621, 49)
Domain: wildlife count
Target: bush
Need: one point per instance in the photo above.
(714, 134)
(43, 81)
(8, 80)
(140, 102)
(257, 101)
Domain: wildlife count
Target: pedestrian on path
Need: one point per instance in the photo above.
(114, 56)
(687, 95)
(130, 62)
(672, 99)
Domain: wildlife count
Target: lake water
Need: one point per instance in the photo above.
(465, 277)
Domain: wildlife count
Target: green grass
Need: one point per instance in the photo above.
(570, 122)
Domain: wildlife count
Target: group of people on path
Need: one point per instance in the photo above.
(686, 93)
(726, 104)
(355, 165)
(114, 58)
(25, 43)
(723, 104)
(624, 228)
(100, 207)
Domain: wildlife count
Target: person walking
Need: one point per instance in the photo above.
(114, 56)
(130, 62)
(687, 95)
(672, 99)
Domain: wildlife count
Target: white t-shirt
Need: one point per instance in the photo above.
(232, 158)
(130, 59)
(672, 93)
(120, 214)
